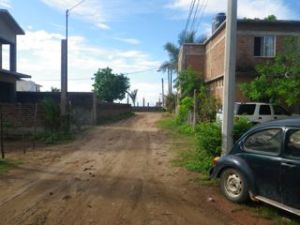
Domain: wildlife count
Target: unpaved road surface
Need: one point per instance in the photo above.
(119, 174)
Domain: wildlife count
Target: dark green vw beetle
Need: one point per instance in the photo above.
(264, 164)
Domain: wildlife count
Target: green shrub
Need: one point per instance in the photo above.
(49, 137)
(209, 138)
(195, 160)
(186, 105)
(241, 125)
(208, 105)
(51, 115)
(170, 102)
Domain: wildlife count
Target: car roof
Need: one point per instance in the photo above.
(290, 122)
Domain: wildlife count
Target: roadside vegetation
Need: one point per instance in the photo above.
(202, 143)
(278, 81)
(6, 165)
(191, 117)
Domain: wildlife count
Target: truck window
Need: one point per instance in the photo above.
(246, 109)
(264, 110)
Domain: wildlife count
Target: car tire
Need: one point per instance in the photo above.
(234, 185)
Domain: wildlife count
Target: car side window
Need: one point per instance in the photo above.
(264, 110)
(266, 141)
(293, 143)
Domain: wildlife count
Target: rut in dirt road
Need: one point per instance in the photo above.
(118, 174)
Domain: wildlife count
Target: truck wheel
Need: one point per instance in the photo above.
(234, 186)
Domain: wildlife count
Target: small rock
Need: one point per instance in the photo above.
(89, 206)
(50, 193)
(210, 199)
(67, 197)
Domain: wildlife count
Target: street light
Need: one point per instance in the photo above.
(64, 63)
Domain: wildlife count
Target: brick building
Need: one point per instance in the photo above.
(257, 42)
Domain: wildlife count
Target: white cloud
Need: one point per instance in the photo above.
(131, 41)
(39, 56)
(246, 8)
(5, 3)
(90, 10)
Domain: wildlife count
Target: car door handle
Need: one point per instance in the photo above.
(275, 117)
(260, 118)
(288, 165)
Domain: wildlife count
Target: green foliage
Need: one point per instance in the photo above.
(55, 89)
(271, 18)
(193, 160)
(53, 137)
(186, 105)
(187, 81)
(109, 86)
(209, 138)
(278, 80)
(208, 105)
(170, 102)
(241, 125)
(6, 165)
(51, 115)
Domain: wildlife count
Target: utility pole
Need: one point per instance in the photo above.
(229, 76)
(64, 64)
(162, 92)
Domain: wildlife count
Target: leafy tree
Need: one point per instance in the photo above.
(271, 18)
(132, 95)
(278, 80)
(55, 89)
(109, 86)
(187, 81)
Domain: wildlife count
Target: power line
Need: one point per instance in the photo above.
(195, 16)
(78, 79)
(189, 17)
(202, 14)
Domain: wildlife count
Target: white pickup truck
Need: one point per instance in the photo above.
(257, 112)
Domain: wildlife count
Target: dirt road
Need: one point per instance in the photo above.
(116, 175)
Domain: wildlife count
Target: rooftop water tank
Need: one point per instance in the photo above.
(217, 21)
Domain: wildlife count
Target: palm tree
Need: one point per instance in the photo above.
(132, 95)
(171, 66)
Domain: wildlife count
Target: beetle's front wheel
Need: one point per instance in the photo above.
(234, 186)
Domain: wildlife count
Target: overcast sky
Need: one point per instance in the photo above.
(126, 35)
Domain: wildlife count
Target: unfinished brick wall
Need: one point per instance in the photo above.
(110, 110)
(21, 115)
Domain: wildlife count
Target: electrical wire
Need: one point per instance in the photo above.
(78, 79)
(189, 17)
(195, 16)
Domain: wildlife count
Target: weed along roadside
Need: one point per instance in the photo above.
(195, 150)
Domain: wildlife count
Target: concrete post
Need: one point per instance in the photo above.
(94, 114)
(229, 76)
(1, 60)
(63, 95)
(162, 92)
(13, 57)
